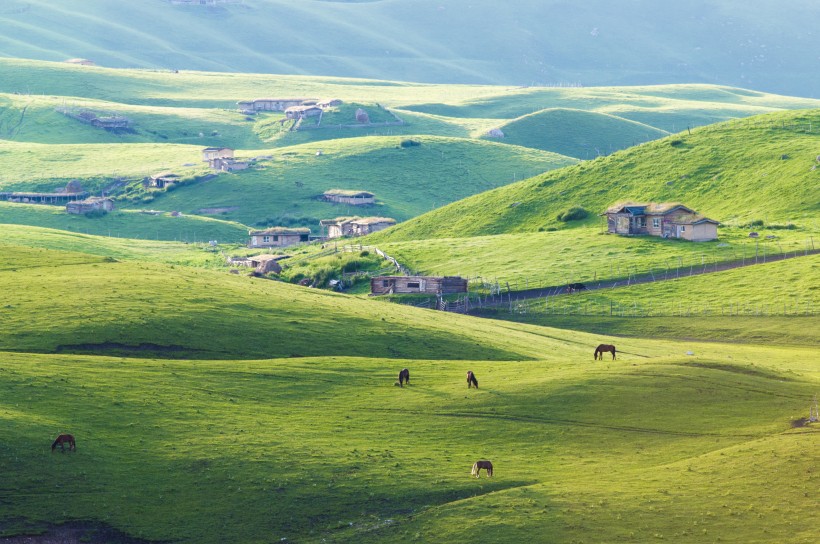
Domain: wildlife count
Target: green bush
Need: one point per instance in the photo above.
(409, 143)
(93, 214)
(575, 213)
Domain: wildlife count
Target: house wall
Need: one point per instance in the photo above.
(417, 284)
(276, 240)
(702, 232)
(352, 201)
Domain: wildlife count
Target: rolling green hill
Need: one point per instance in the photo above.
(761, 168)
(576, 133)
(521, 42)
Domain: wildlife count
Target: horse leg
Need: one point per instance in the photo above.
(613, 354)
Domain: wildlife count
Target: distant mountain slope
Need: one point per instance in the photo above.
(576, 133)
(764, 168)
(764, 44)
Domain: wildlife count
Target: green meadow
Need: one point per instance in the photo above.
(656, 445)
(211, 406)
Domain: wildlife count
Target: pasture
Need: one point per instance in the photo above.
(655, 445)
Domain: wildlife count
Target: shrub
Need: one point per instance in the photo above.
(409, 143)
(93, 214)
(575, 213)
(676, 143)
(755, 223)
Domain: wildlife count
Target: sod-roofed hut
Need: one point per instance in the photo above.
(278, 237)
(441, 285)
(344, 196)
(355, 226)
(666, 219)
(91, 204)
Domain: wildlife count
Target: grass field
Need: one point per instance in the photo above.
(665, 446)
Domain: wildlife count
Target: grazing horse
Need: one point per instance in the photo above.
(471, 380)
(61, 441)
(599, 351)
(573, 287)
(486, 465)
(404, 376)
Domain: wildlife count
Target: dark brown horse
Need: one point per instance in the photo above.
(62, 440)
(471, 380)
(404, 377)
(486, 465)
(599, 351)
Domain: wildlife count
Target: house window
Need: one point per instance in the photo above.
(642, 222)
(303, 237)
(266, 239)
(413, 285)
(276, 238)
(683, 228)
(656, 222)
(385, 283)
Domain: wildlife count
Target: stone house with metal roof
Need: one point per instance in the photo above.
(666, 219)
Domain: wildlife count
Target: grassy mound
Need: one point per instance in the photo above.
(577, 133)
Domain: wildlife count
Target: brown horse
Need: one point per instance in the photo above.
(404, 376)
(599, 351)
(61, 441)
(471, 380)
(486, 465)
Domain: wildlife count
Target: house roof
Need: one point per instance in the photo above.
(357, 220)
(166, 174)
(696, 220)
(279, 230)
(216, 149)
(373, 220)
(347, 192)
(648, 208)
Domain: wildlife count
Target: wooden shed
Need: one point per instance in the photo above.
(163, 179)
(355, 198)
(272, 104)
(667, 220)
(389, 285)
(278, 237)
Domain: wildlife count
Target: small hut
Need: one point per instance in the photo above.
(355, 198)
(278, 237)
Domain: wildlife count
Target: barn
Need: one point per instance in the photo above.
(354, 198)
(278, 237)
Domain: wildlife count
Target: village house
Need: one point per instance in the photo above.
(72, 191)
(261, 264)
(434, 285)
(667, 220)
(162, 180)
(328, 103)
(355, 198)
(300, 112)
(91, 204)
(278, 237)
(355, 226)
(271, 104)
(211, 153)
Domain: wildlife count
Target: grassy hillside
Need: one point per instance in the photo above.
(149, 308)
(522, 42)
(327, 449)
(763, 168)
(126, 224)
(770, 302)
(576, 133)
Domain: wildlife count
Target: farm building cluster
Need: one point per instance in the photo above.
(294, 108)
(667, 220)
